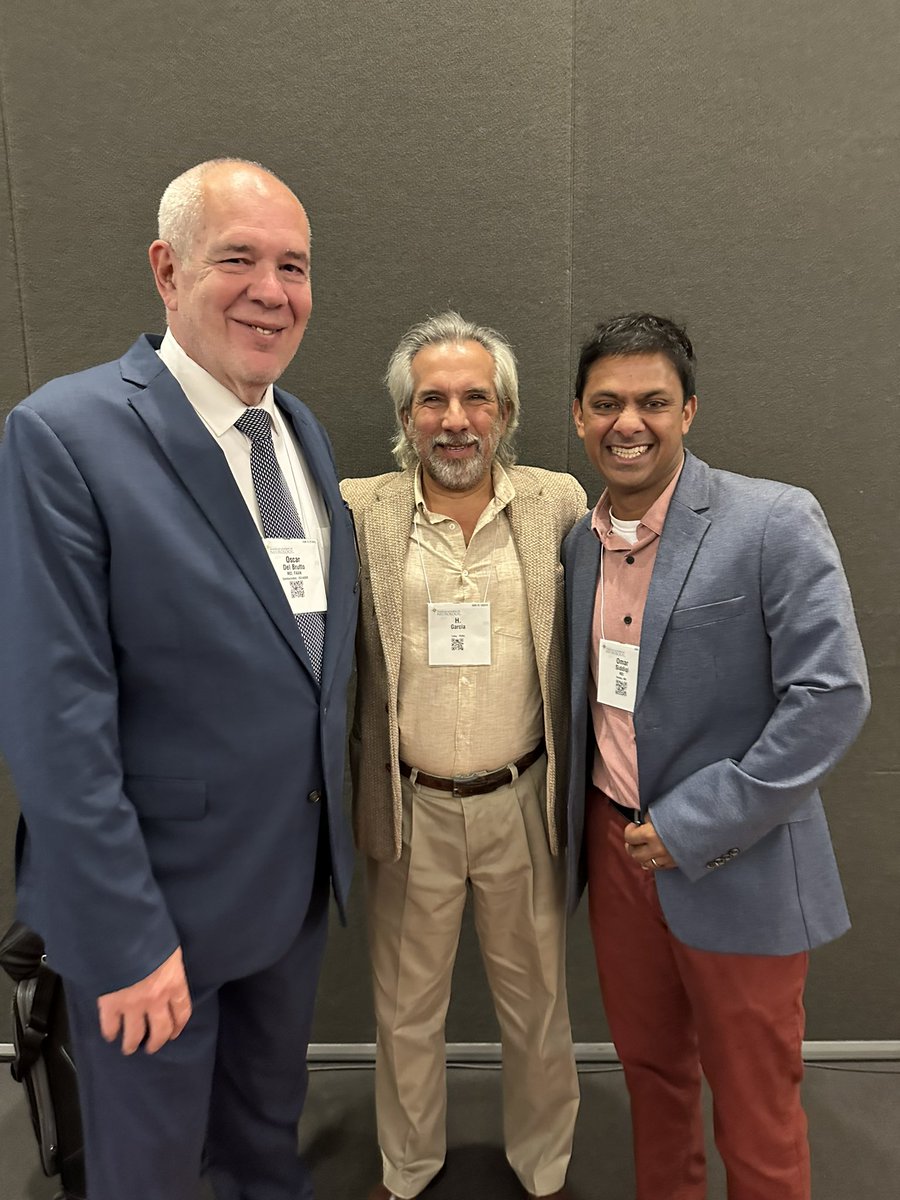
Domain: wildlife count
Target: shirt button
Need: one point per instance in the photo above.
(451, 524)
(629, 558)
(628, 620)
(465, 574)
(314, 797)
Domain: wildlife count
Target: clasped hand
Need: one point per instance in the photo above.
(152, 1011)
(643, 844)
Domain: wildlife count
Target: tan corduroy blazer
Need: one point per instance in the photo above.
(545, 507)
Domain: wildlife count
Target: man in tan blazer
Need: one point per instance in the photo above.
(458, 750)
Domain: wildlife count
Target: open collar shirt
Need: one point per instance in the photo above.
(468, 719)
(627, 570)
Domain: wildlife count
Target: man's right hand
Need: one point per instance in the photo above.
(153, 1011)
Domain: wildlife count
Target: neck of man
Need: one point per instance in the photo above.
(633, 506)
(464, 507)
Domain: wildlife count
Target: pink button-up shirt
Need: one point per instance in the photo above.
(626, 580)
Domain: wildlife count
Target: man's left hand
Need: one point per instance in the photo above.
(643, 844)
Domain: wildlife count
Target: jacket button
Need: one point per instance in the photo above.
(314, 797)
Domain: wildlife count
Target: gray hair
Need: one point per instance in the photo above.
(181, 205)
(450, 328)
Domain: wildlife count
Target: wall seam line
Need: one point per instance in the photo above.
(14, 233)
(571, 246)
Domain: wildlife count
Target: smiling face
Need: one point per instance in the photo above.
(632, 418)
(455, 423)
(239, 302)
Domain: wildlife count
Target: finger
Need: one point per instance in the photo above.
(160, 1029)
(180, 1010)
(635, 835)
(110, 1021)
(134, 1030)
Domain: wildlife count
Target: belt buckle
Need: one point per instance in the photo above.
(461, 781)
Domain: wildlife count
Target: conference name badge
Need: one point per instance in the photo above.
(299, 569)
(617, 672)
(459, 635)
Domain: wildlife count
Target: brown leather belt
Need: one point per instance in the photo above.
(475, 785)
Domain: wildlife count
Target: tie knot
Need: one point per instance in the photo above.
(254, 423)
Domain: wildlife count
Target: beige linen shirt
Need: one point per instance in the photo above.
(463, 720)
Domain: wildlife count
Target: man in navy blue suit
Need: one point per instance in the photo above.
(178, 602)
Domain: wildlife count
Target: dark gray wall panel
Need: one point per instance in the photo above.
(430, 144)
(12, 334)
(15, 386)
(736, 166)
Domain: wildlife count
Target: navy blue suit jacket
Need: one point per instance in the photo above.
(172, 751)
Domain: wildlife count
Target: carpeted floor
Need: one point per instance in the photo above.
(854, 1112)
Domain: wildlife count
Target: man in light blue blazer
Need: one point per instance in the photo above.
(717, 676)
(173, 710)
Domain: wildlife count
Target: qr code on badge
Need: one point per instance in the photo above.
(457, 643)
(621, 687)
(298, 592)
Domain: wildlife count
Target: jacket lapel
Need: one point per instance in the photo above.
(538, 556)
(582, 566)
(385, 535)
(343, 567)
(682, 534)
(204, 472)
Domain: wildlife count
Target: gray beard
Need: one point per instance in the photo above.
(462, 475)
(456, 476)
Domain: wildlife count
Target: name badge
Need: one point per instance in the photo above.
(459, 635)
(299, 569)
(617, 672)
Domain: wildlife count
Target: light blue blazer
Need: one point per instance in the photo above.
(173, 754)
(751, 685)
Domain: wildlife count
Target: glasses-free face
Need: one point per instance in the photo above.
(632, 419)
(239, 302)
(455, 422)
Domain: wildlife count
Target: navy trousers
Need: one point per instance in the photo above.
(230, 1089)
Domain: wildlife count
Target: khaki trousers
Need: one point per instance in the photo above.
(495, 845)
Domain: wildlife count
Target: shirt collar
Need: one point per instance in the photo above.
(215, 404)
(652, 521)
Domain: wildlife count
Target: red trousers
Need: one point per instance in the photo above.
(674, 1011)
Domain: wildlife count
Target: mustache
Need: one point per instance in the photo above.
(456, 440)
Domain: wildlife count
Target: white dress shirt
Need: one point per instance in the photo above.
(218, 409)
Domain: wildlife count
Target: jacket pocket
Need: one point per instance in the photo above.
(708, 614)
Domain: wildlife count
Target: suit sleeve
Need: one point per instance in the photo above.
(821, 700)
(85, 876)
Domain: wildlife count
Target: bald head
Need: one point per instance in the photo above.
(183, 203)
